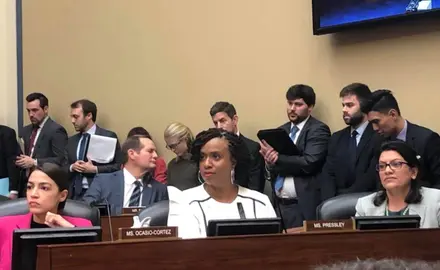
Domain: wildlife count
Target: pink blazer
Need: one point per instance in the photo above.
(10, 223)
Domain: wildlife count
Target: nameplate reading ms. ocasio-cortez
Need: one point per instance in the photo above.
(132, 210)
(329, 225)
(145, 233)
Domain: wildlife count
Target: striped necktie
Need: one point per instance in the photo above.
(136, 195)
(279, 181)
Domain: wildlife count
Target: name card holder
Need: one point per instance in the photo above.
(132, 210)
(329, 225)
(148, 233)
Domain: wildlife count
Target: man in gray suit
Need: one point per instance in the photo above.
(44, 139)
(133, 186)
(81, 170)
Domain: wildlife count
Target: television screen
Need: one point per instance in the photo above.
(334, 15)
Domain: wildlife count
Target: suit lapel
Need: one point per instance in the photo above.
(365, 139)
(418, 209)
(74, 146)
(410, 135)
(41, 136)
(147, 192)
(119, 191)
(301, 139)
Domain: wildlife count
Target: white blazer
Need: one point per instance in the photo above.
(428, 209)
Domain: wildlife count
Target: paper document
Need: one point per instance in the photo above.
(101, 149)
(4, 186)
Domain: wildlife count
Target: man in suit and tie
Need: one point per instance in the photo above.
(351, 165)
(384, 115)
(294, 178)
(44, 139)
(9, 151)
(81, 169)
(133, 186)
(225, 116)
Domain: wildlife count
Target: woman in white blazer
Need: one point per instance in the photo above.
(401, 194)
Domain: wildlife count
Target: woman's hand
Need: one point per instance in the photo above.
(54, 220)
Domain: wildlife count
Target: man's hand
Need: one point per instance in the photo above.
(88, 167)
(77, 166)
(269, 154)
(54, 220)
(25, 162)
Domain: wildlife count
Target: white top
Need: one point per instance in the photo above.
(204, 208)
(129, 186)
(289, 190)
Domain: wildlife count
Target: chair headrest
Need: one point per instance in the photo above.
(158, 212)
(72, 208)
(339, 207)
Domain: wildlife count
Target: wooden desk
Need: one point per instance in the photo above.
(295, 251)
(117, 222)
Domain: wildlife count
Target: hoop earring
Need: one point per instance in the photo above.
(200, 178)
(233, 176)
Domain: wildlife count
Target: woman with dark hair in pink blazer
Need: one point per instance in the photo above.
(46, 194)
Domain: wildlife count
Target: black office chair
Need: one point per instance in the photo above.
(157, 212)
(339, 207)
(72, 208)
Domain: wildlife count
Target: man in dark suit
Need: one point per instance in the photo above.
(9, 151)
(294, 178)
(44, 139)
(81, 169)
(225, 116)
(351, 165)
(133, 186)
(384, 115)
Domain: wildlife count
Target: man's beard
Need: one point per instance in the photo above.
(355, 119)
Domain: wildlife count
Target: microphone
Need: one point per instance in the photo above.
(109, 219)
(277, 205)
(241, 210)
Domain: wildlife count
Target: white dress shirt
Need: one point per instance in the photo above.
(289, 191)
(360, 130)
(129, 186)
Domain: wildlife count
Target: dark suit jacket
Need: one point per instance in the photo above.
(335, 178)
(110, 186)
(9, 150)
(113, 166)
(256, 172)
(427, 144)
(305, 167)
(50, 145)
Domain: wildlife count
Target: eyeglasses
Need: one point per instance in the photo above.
(174, 145)
(394, 165)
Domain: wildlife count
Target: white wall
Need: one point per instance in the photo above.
(8, 64)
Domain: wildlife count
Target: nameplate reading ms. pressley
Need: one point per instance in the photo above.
(149, 232)
(329, 225)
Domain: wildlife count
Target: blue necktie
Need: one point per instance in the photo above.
(279, 181)
(81, 156)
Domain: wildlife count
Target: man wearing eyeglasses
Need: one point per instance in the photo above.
(384, 115)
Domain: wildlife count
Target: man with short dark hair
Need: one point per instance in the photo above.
(350, 164)
(384, 115)
(133, 186)
(44, 139)
(294, 178)
(224, 116)
(81, 169)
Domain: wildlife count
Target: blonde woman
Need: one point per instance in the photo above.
(182, 171)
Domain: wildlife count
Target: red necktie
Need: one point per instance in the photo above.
(32, 140)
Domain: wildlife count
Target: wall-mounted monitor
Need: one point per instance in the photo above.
(331, 16)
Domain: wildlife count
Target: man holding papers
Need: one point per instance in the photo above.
(92, 150)
(294, 178)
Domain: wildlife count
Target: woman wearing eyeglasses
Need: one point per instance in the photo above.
(182, 171)
(401, 194)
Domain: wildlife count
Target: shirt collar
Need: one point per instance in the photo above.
(402, 134)
(360, 130)
(129, 179)
(92, 130)
(44, 122)
(300, 125)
